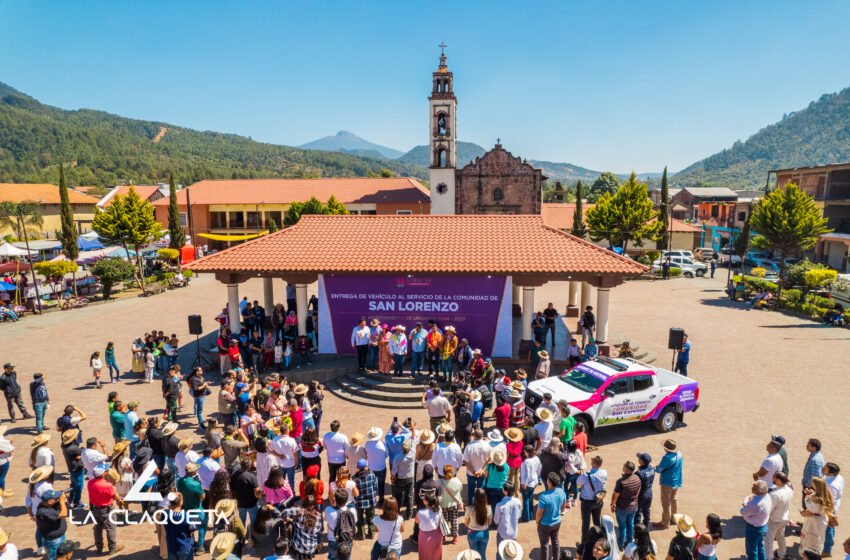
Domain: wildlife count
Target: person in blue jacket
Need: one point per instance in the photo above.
(684, 356)
(670, 471)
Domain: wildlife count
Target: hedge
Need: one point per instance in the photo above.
(758, 284)
(674, 271)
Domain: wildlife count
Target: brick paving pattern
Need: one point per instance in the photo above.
(760, 373)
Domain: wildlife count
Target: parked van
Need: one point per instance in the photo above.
(705, 253)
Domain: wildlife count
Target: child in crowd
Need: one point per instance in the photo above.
(278, 355)
(287, 355)
(96, 367)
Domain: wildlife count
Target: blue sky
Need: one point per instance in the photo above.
(609, 85)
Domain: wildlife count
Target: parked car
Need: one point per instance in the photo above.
(728, 255)
(688, 266)
(678, 253)
(619, 390)
(755, 258)
(705, 254)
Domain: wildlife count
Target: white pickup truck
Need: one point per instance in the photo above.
(617, 390)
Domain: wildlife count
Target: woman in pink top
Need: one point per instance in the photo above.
(276, 488)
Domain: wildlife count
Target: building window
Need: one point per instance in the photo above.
(184, 221)
(368, 212)
(442, 124)
(253, 219)
(742, 216)
(237, 219)
(498, 194)
(218, 219)
(715, 211)
(404, 212)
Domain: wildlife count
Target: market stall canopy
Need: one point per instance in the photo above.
(89, 257)
(6, 287)
(9, 250)
(39, 245)
(88, 244)
(13, 266)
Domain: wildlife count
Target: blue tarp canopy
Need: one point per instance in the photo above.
(6, 287)
(88, 244)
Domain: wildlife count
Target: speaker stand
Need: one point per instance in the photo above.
(200, 361)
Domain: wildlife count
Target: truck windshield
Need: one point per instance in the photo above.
(583, 380)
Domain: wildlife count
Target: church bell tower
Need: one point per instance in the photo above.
(442, 134)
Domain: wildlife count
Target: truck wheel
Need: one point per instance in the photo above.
(667, 420)
(688, 274)
(700, 273)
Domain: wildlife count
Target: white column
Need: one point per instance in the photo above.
(301, 304)
(603, 302)
(527, 311)
(586, 295)
(573, 299)
(268, 295)
(233, 307)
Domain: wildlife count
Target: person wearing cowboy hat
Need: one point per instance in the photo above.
(185, 455)
(478, 365)
(683, 544)
(40, 482)
(355, 451)
(41, 454)
(670, 471)
(376, 458)
(439, 408)
(398, 349)
(509, 549)
(543, 366)
(447, 352)
(418, 343)
(7, 549)
(376, 331)
(222, 545)
(103, 497)
(545, 428)
(517, 399)
(468, 554)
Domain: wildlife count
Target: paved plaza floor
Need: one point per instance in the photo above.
(760, 373)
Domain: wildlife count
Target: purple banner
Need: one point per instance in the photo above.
(471, 304)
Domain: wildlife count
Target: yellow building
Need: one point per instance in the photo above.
(48, 198)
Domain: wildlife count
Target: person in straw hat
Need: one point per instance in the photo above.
(447, 352)
(355, 451)
(477, 365)
(496, 472)
(7, 549)
(185, 455)
(543, 366)
(514, 447)
(510, 550)
(222, 545)
(376, 457)
(468, 555)
(385, 358)
(424, 451)
(683, 544)
(40, 481)
(40, 454)
(545, 428)
(123, 466)
(398, 349)
(226, 520)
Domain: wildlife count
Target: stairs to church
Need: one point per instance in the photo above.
(380, 391)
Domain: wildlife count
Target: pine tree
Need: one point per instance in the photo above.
(579, 229)
(175, 230)
(334, 206)
(68, 234)
(664, 214)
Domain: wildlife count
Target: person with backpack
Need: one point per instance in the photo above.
(587, 325)
(40, 400)
(341, 522)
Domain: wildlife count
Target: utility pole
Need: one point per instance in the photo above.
(37, 305)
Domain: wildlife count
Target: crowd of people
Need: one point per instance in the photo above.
(262, 478)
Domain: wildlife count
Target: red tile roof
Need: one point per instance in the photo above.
(40, 192)
(448, 244)
(559, 215)
(357, 190)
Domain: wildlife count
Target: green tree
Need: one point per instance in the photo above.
(627, 215)
(111, 271)
(129, 221)
(664, 214)
(21, 217)
(607, 182)
(742, 242)
(787, 221)
(386, 173)
(177, 237)
(56, 269)
(68, 234)
(312, 206)
(579, 229)
(273, 227)
(335, 207)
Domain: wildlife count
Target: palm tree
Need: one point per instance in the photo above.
(17, 216)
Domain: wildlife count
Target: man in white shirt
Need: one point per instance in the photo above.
(544, 428)
(756, 512)
(771, 465)
(475, 457)
(447, 453)
(835, 483)
(185, 455)
(360, 343)
(285, 448)
(207, 467)
(336, 444)
(91, 457)
(439, 408)
(781, 496)
(376, 459)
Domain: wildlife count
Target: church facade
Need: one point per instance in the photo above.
(496, 183)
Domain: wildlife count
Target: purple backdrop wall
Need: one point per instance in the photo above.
(469, 303)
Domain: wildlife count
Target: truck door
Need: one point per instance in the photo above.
(612, 407)
(645, 393)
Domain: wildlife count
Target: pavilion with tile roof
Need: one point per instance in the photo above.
(521, 247)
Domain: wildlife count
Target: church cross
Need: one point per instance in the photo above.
(442, 46)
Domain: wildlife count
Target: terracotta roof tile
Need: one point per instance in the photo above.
(144, 192)
(43, 192)
(450, 244)
(285, 191)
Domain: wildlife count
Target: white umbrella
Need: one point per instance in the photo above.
(9, 250)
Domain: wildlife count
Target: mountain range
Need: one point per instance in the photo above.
(103, 149)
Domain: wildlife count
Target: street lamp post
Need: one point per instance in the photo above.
(20, 216)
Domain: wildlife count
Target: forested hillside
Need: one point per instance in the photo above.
(103, 149)
(816, 135)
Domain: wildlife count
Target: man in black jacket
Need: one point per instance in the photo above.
(40, 401)
(12, 391)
